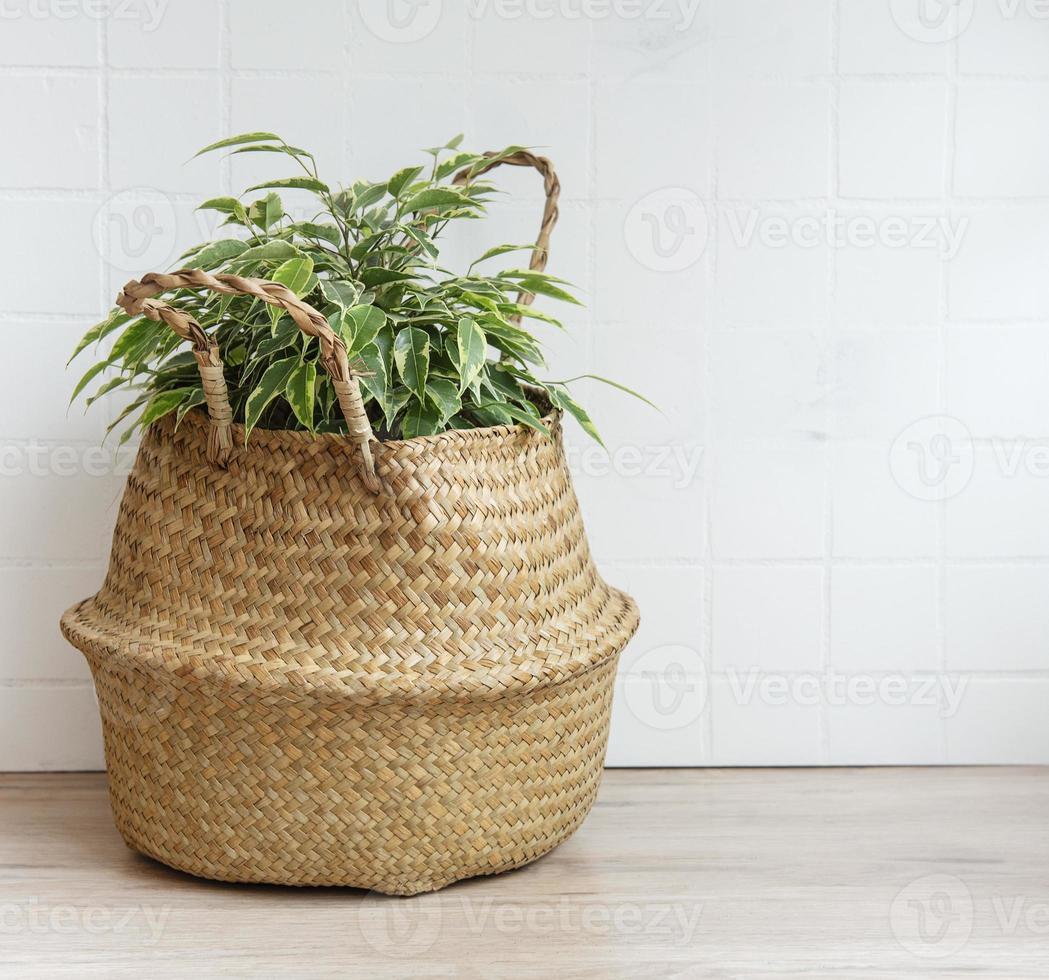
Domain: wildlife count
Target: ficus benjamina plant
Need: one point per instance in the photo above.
(434, 349)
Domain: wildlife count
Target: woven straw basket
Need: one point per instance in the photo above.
(332, 660)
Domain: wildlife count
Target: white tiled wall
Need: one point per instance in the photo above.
(815, 232)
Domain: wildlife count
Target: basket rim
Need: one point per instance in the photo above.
(552, 420)
(101, 638)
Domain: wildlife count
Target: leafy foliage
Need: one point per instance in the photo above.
(435, 349)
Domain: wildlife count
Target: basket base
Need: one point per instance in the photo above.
(400, 888)
(398, 799)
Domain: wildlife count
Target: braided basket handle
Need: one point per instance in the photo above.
(137, 297)
(552, 188)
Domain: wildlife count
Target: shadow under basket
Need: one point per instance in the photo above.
(306, 682)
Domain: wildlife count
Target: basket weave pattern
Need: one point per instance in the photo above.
(306, 682)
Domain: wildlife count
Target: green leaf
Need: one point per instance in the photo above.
(341, 293)
(501, 250)
(395, 402)
(367, 322)
(565, 401)
(424, 241)
(300, 183)
(400, 180)
(321, 232)
(292, 151)
(299, 391)
(507, 410)
(365, 195)
(340, 322)
(541, 286)
(378, 276)
(450, 145)
(457, 162)
(197, 398)
(472, 347)
(285, 333)
(139, 337)
(92, 372)
(444, 396)
(384, 344)
(116, 319)
(162, 403)
(272, 384)
(267, 212)
(104, 389)
(216, 253)
(411, 353)
(451, 348)
(366, 244)
(275, 250)
(237, 141)
(503, 384)
(420, 419)
(613, 384)
(227, 205)
(529, 312)
(375, 381)
(296, 274)
(434, 197)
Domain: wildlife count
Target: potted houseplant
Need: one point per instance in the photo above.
(351, 632)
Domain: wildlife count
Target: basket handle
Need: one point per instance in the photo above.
(137, 297)
(552, 188)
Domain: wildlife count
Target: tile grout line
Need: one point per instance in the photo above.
(947, 178)
(225, 80)
(710, 311)
(102, 216)
(774, 205)
(833, 153)
(348, 95)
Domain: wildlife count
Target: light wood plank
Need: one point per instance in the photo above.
(676, 873)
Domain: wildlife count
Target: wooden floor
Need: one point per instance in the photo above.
(837, 873)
